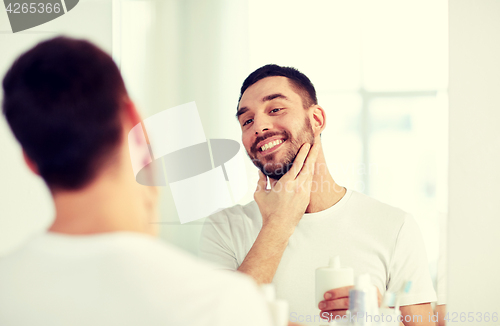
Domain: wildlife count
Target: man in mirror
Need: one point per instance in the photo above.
(301, 217)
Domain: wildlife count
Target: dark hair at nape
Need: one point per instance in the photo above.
(62, 100)
(301, 84)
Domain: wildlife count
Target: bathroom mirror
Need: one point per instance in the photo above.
(379, 68)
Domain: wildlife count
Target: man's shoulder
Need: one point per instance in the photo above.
(133, 270)
(156, 258)
(129, 255)
(167, 261)
(113, 251)
(372, 207)
(236, 224)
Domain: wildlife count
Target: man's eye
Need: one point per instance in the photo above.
(275, 110)
(247, 122)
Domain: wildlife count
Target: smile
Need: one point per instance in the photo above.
(271, 145)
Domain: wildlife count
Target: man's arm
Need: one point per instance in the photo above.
(265, 255)
(281, 208)
(441, 313)
(410, 263)
(419, 314)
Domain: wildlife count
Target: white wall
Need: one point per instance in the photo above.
(474, 221)
(25, 203)
(190, 50)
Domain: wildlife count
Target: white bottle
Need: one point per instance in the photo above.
(363, 301)
(278, 308)
(332, 277)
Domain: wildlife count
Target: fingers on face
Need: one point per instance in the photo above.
(262, 183)
(307, 168)
(261, 186)
(311, 160)
(298, 163)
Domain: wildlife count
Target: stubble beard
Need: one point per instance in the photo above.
(276, 170)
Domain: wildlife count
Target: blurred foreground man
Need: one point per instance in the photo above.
(302, 220)
(99, 263)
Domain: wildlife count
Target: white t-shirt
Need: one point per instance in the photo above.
(120, 278)
(369, 236)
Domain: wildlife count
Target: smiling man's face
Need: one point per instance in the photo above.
(274, 124)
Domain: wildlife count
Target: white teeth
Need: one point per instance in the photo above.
(271, 144)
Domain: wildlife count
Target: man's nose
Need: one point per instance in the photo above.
(261, 124)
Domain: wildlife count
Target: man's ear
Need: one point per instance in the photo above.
(130, 112)
(31, 165)
(131, 118)
(318, 119)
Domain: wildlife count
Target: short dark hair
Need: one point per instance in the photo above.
(300, 83)
(62, 100)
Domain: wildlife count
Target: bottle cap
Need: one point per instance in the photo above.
(335, 262)
(269, 291)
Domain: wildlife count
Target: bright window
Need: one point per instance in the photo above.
(380, 71)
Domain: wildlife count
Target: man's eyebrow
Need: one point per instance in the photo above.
(273, 96)
(241, 111)
(267, 98)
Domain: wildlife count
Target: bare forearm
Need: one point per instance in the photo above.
(441, 312)
(265, 255)
(418, 314)
(281, 208)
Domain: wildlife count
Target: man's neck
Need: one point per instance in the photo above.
(322, 200)
(325, 192)
(108, 204)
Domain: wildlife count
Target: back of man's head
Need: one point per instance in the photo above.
(62, 100)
